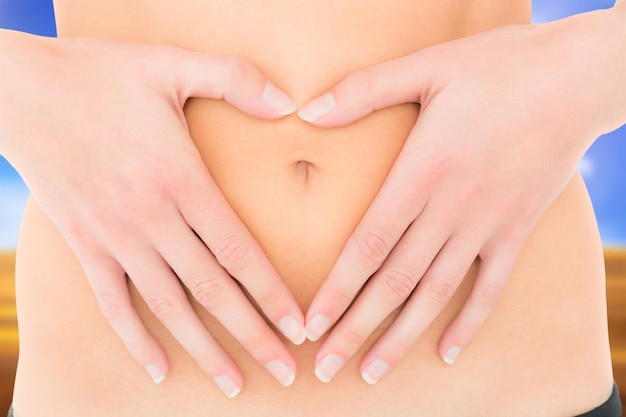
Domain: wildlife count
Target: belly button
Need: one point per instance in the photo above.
(303, 168)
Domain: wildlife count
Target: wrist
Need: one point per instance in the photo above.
(593, 47)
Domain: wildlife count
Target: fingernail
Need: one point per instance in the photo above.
(375, 371)
(155, 373)
(277, 100)
(328, 367)
(282, 372)
(317, 327)
(451, 355)
(318, 108)
(292, 329)
(227, 385)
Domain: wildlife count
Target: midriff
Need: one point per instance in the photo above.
(301, 190)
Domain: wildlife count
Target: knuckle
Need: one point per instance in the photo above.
(404, 343)
(399, 284)
(530, 212)
(170, 179)
(270, 297)
(208, 292)
(518, 231)
(489, 294)
(372, 248)
(110, 306)
(163, 308)
(507, 240)
(440, 293)
(364, 80)
(238, 68)
(440, 165)
(343, 295)
(232, 253)
(253, 340)
(354, 337)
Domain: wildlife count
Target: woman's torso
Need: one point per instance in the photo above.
(544, 351)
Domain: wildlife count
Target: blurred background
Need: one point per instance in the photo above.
(603, 167)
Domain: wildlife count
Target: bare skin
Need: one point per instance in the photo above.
(301, 191)
(449, 211)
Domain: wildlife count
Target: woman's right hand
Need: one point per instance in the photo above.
(97, 131)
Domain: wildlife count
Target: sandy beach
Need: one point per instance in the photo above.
(8, 325)
(8, 329)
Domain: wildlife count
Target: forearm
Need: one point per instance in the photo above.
(20, 72)
(616, 63)
(594, 54)
(8, 73)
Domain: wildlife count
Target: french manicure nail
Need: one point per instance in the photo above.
(328, 367)
(317, 327)
(375, 371)
(155, 373)
(451, 355)
(318, 108)
(282, 372)
(292, 329)
(277, 100)
(227, 385)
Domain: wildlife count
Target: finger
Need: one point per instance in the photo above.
(208, 213)
(389, 288)
(232, 78)
(108, 281)
(488, 289)
(432, 295)
(218, 293)
(370, 244)
(403, 80)
(164, 296)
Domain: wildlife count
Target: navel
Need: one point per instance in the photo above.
(303, 168)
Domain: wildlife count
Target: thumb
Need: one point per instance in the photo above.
(232, 78)
(402, 80)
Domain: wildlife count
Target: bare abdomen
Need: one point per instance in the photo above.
(546, 341)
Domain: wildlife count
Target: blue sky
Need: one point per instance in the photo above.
(604, 166)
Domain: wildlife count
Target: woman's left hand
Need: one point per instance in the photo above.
(505, 117)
